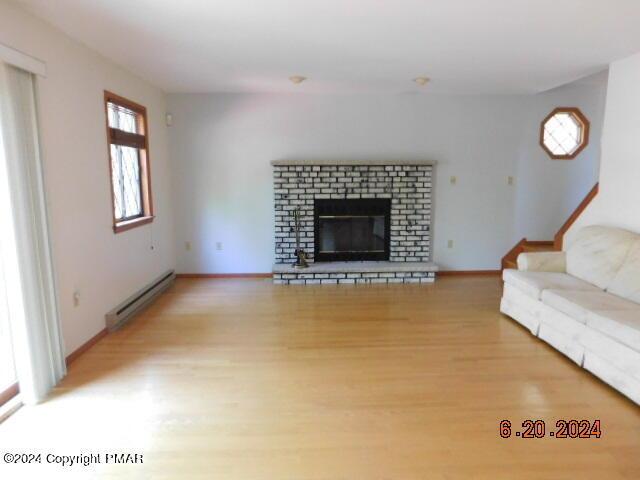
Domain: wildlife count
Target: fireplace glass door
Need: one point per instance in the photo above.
(352, 229)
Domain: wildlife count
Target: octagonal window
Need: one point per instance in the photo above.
(564, 133)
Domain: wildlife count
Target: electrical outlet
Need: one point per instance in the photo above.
(453, 180)
(218, 245)
(510, 180)
(76, 298)
(187, 246)
(450, 244)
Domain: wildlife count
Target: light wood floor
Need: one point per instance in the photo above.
(242, 380)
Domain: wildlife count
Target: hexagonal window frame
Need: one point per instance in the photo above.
(580, 119)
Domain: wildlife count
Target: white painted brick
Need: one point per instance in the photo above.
(409, 187)
(379, 280)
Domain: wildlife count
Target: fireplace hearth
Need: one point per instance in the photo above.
(351, 230)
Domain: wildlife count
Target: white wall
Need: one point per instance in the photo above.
(549, 190)
(88, 256)
(618, 201)
(221, 145)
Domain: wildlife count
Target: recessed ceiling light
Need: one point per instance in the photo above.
(297, 79)
(422, 81)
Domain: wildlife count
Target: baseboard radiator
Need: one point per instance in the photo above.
(136, 302)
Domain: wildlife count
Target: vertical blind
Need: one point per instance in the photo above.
(24, 241)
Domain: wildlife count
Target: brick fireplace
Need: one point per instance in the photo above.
(399, 247)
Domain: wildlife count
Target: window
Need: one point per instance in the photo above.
(564, 133)
(129, 162)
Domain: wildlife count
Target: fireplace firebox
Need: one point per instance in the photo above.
(351, 229)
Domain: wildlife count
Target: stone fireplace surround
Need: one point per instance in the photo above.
(407, 183)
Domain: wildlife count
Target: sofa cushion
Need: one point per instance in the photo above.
(533, 283)
(597, 253)
(620, 325)
(626, 283)
(577, 304)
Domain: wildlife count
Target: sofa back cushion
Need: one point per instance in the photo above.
(626, 283)
(597, 254)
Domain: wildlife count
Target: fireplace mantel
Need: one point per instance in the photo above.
(285, 163)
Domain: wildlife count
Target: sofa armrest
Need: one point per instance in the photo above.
(543, 262)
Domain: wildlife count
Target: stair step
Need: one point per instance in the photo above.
(525, 246)
(528, 247)
(510, 264)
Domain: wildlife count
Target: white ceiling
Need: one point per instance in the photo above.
(465, 46)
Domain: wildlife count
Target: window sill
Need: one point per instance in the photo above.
(129, 224)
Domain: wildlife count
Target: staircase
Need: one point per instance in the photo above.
(524, 245)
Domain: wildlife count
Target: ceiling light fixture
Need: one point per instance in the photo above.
(297, 79)
(422, 81)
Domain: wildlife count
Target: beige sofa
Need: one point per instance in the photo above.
(585, 302)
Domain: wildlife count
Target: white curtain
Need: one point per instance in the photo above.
(24, 241)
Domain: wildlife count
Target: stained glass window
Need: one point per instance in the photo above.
(125, 171)
(129, 162)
